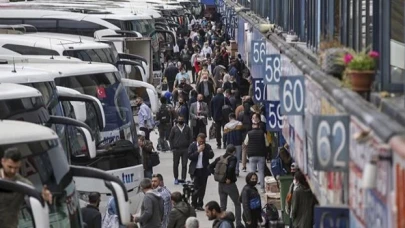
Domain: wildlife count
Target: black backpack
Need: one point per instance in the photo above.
(163, 115)
(271, 212)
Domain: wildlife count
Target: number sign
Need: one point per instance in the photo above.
(292, 95)
(331, 142)
(274, 119)
(272, 69)
(260, 90)
(258, 50)
(332, 217)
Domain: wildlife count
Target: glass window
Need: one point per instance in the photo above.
(115, 22)
(11, 21)
(48, 91)
(93, 55)
(43, 25)
(84, 28)
(27, 50)
(44, 163)
(25, 109)
(397, 20)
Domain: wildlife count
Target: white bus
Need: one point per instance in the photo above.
(44, 163)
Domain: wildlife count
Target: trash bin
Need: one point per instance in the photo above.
(285, 182)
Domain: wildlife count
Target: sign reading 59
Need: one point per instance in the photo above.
(331, 142)
(274, 118)
(258, 50)
(292, 95)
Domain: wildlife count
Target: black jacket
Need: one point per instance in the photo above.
(248, 193)
(230, 170)
(200, 88)
(179, 214)
(179, 139)
(231, 85)
(217, 103)
(91, 216)
(193, 153)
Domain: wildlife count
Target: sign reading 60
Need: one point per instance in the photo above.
(331, 142)
(258, 50)
(292, 95)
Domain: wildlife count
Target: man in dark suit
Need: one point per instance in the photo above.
(91, 215)
(198, 116)
(217, 112)
(199, 153)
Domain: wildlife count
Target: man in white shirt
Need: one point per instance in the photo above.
(199, 154)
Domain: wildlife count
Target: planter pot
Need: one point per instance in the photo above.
(361, 80)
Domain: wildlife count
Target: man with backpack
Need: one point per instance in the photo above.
(223, 169)
(165, 119)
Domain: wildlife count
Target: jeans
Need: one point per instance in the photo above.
(164, 131)
(177, 154)
(238, 158)
(148, 173)
(230, 190)
(258, 163)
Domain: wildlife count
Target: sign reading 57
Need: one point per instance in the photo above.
(292, 95)
(258, 50)
(331, 142)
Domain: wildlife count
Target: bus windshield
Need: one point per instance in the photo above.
(44, 163)
(31, 109)
(112, 95)
(105, 55)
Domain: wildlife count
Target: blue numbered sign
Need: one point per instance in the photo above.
(332, 217)
(331, 142)
(272, 69)
(274, 120)
(260, 90)
(292, 95)
(258, 51)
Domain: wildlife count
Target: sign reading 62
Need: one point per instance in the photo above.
(258, 50)
(331, 142)
(292, 95)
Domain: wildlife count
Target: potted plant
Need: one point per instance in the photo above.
(360, 68)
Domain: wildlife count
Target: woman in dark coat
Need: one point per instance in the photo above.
(251, 202)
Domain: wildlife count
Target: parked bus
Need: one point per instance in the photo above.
(44, 163)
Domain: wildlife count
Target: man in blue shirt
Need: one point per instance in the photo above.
(145, 117)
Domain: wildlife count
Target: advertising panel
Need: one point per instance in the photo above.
(241, 37)
(364, 144)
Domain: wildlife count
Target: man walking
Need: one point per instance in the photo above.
(233, 132)
(222, 219)
(164, 116)
(223, 169)
(12, 201)
(198, 115)
(180, 139)
(157, 185)
(152, 209)
(91, 214)
(181, 211)
(256, 148)
(218, 103)
(199, 154)
(145, 117)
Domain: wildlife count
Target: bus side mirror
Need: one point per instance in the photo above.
(79, 109)
(87, 142)
(39, 208)
(94, 180)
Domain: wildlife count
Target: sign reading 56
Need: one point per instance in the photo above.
(258, 50)
(292, 95)
(272, 69)
(274, 118)
(331, 142)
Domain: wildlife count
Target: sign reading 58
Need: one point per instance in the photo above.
(258, 50)
(331, 142)
(272, 69)
(292, 95)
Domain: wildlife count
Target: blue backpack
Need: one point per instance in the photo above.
(277, 167)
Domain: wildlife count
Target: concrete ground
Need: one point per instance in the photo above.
(165, 168)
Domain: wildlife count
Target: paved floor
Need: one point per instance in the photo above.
(165, 168)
